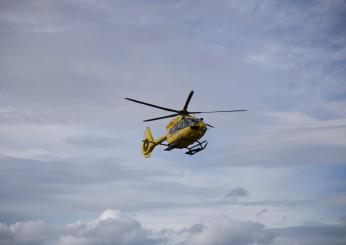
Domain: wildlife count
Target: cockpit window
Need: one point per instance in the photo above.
(192, 121)
(183, 124)
(195, 120)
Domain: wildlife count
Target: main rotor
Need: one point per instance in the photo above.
(184, 112)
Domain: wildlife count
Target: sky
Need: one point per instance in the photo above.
(71, 168)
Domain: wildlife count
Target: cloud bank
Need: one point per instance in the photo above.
(115, 227)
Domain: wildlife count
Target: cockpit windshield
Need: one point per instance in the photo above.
(191, 121)
(184, 123)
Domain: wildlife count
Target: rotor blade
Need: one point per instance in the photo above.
(210, 125)
(158, 118)
(188, 101)
(198, 112)
(156, 106)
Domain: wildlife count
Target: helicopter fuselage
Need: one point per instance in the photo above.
(184, 131)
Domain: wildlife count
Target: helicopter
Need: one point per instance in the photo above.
(182, 131)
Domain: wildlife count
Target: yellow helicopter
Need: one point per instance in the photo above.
(182, 131)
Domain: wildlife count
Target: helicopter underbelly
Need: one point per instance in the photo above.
(185, 137)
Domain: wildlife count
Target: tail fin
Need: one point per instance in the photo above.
(149, 143)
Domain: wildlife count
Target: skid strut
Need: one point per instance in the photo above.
(197, 147)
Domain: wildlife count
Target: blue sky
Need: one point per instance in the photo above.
(71, 167)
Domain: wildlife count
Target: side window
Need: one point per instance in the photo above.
(180, 125)
(174, 129)
(184, 123)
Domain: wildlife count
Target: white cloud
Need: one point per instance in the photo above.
(115, 227)
(111, 227)
(28, 232)
(72, 240)
(222, 231)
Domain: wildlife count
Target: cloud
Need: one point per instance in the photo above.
(28, 18)
(115, 227)
(310, 235)
(227, 231)
(196, 228)
(223, 230)
(92, 141)
(342, 220)
(238, 192)
(111, 227)
(32, 188)
(27, 232)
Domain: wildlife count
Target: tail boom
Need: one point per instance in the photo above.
(149, 142)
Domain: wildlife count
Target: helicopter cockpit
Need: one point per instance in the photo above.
(191, 121)
(185, 123)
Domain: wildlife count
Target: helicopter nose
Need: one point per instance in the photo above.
(198, 126)
(204, 127)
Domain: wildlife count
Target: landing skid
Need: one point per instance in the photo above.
(197, 147)
(191, 150)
